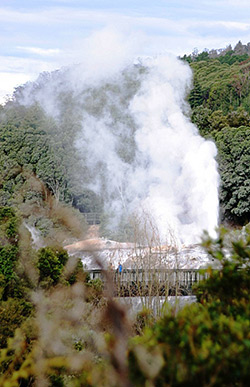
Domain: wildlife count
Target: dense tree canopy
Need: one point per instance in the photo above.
(220, 102)
(28, 148)
(234, 163)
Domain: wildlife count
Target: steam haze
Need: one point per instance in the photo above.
(138, 148)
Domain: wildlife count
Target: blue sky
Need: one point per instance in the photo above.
(42, 35)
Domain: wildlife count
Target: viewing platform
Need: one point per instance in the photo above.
(92, 218)
(152, 282)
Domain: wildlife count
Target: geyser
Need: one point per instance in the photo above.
(182, 174)
(138, 148)
(156, 160)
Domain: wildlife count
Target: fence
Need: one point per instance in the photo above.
(139, 282)
(92, 217)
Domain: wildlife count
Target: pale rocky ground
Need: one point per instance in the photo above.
(110, 253)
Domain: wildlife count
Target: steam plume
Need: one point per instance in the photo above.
(137, 144)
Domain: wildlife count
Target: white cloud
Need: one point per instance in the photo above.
(226, 24)
(57, 15)
(234, 3)
(13, 64)
(40, 51)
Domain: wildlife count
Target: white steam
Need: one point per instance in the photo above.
(137, 144)
(103, 54)
(182, 173)
(173, 173)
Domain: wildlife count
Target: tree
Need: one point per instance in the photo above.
(237, 118)
(234, 165)
(12, 313)
(201, 116)
(9, 252)
(51, 262)
(195, 98)
(217, 120)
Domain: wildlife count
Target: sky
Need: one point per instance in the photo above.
(43, 35)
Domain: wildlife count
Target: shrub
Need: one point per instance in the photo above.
(51, 262)
(12, 313)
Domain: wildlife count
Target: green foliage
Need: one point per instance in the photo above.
(228, 55)
(8, 224)
(234, 165)
(26, 146)
(202, 56)
(56, 381)
(196, 96)
(207, 343)
(233, 158)
(220, 86)
(227, 288)
(218, 120)
(195, 349)
(51, 262)
(230, 58)
(239, 117)
(94, 291)
(221, 110)
(35, 146)
(8, 258)
(214, 81)
(201, 116)
(78, 274)
(16, 363)
(9, 252)
(12, 313)
(144, 318)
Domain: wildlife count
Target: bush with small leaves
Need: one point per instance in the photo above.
(51, 262)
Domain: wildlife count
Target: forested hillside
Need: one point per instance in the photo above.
(46, 120)
(220, 102)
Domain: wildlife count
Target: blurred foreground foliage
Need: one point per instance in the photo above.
(206, 343)
(67, 330)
